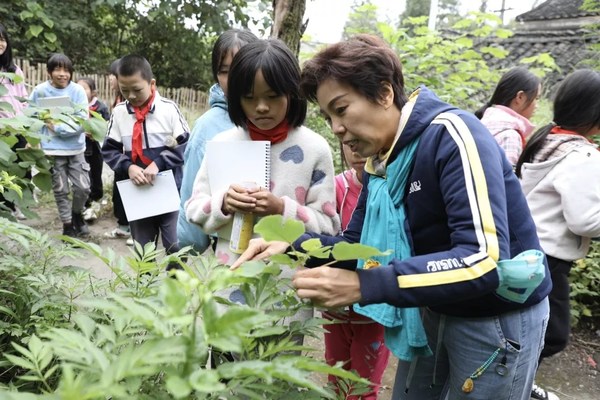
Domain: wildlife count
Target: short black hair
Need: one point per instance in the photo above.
(59, 60)
(232, 39)
(281, 71)
(90, 82)
(113, 69)
(362, 62)
(132, 64)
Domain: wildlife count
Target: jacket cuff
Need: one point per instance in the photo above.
(378, 285)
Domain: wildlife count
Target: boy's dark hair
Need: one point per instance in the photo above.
(113, 69)
(230, 40)
(6, 59)
(132, 64)
(576, 108)
(90, 82)
(511, 83)
(362, 62)
(280, 70)
(59, 60)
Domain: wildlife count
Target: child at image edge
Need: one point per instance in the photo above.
(146, 134)
(354, 339)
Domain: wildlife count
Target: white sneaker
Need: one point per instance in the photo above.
(538, 393)
(129, 242)
(117, 233)
(89, 214)
(18, 214)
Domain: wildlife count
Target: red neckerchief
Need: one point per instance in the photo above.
(561, 131)
(273, 135)
(94, 105)
(138, 128)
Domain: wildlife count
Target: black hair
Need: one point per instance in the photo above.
(576, 108)
(90, 82)
(281, 71)
(113, 69)
(6, 59)
(132, 64)
(512, 82)
(363, 62)
(59, 60)
(230, 40)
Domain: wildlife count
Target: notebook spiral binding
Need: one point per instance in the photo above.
(268, 167)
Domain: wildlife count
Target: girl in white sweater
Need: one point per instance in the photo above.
(265, 104)
(559, 171)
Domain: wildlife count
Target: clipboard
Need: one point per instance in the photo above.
(51, 102)
(149, 200)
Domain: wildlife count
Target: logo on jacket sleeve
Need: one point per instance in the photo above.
(414, 186)
(443, 265)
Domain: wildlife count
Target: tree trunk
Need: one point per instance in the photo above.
(287, 22)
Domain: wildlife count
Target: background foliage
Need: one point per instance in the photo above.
(176, 36)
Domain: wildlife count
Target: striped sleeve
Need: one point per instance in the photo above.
(464, 265)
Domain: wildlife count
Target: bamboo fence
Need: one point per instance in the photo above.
(192, 102)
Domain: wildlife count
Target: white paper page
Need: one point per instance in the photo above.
(238, 161)
(149, 200)
(58, 101)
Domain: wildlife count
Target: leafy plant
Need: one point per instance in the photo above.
(585, 287)
(17, 163)
(143, 335)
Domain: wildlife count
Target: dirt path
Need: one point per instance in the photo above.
(572, 375)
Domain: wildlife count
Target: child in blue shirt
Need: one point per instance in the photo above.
(64, 144)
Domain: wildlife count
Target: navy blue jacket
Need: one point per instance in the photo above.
(465, 211)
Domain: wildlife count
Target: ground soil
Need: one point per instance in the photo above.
(573, 374)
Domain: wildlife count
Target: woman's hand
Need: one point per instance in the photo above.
(328, 287)
(267, 203)
(238, 198)
(259, 249)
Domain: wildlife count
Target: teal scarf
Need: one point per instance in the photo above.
(383, 228)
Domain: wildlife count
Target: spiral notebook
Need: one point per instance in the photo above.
(235, 162)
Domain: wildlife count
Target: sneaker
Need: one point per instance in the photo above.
(117, 233)
(129, 241)
(79, 225)
(89, 214)
(538, 393)
(18, 214)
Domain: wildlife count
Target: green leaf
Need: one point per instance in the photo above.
(35, 30)
(178, 387)
(206, 381)
(50, 37)
(314, 248)
(43, 181)
(275, 227)
(25, 15)
(97, 127)
(20, 362)
(355, 251)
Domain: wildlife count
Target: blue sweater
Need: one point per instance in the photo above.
(212, 122)
(465, 211)
(65, 140)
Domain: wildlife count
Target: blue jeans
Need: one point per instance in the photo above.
(462, 345)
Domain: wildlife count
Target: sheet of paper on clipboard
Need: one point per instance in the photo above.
(57, 101)
(149, 200)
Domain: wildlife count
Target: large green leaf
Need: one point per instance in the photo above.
(355, 251)
(275, 227)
